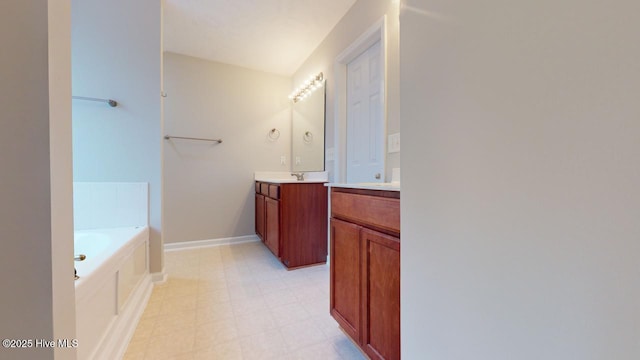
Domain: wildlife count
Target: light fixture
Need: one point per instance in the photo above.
(313, 83)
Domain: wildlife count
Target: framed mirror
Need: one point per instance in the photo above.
(308, 130)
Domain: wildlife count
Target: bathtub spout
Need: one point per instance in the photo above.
(80, 257)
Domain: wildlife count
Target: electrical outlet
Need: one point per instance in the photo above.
(283, 160)
(329, 155)
(393, 144)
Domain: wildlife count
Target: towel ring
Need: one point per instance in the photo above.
(274, 134)
(307, 137)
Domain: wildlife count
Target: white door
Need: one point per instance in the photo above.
(365, 121)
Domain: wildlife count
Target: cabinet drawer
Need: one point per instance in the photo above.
(257, 187)
(379, 213)
(274, 191)
(264, 189)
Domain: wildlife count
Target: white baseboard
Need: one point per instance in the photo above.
(187, 245)
(159, 277)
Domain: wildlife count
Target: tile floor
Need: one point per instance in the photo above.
(239, 302)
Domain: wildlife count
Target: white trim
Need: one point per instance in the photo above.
(159, 277)
(377, 32)
(116, 339)
(198, 244)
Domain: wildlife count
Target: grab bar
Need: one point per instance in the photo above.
(111, 103)
(168, 137)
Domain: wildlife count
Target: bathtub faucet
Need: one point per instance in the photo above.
(80, 257)
(299, 176)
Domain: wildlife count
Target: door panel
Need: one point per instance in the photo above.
(345, 269)
(365, 117)
(376, 152)
(381, 323)
(272, 224)
(260, 216)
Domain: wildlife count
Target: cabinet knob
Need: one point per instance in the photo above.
(378, 176)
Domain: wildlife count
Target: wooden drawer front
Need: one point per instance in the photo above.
(372, 211)
(274, 191)
(264, 189)
(257, 187)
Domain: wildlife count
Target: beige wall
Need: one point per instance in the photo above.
(358, 20)
(117, 54)
(35, 268)
(208, 188)
(520, 196)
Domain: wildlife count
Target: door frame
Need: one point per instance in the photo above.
(377, 32)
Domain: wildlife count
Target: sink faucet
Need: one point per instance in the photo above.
(299, 176)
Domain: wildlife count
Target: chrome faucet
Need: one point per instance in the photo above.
(299, 176)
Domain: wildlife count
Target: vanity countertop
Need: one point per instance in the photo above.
(392, 186)
(290, 181)
(287, 177)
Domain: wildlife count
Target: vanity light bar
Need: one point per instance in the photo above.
(309, 86)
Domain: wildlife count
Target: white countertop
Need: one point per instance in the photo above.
(286, 181)
(392, 186)
(286, 177)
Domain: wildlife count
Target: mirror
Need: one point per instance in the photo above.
(308, 127)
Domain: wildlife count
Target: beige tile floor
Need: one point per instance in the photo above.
(239, 302)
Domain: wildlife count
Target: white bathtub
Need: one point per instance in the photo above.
(113, 288)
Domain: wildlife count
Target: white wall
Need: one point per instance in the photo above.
(520, 196)
(110, 205)
(117, 54)
(61, 165)
(35, 267)
(209, 188)
(358, 20)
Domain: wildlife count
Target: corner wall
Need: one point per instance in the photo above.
(117, 51)
(36, 275)
(520, 196)
(61, 165)
(209, 187)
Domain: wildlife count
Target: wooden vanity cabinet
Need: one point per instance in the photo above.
(365, 268)
(293, 220)
(272, 225)
(346, 277)
(260, 215)
(381, 293)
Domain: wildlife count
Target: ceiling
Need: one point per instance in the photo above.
(274, 36)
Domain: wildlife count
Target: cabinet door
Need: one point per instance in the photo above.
(346, 274)
(272, 225)
(260, 216)
(303, 227)
(381, 278)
